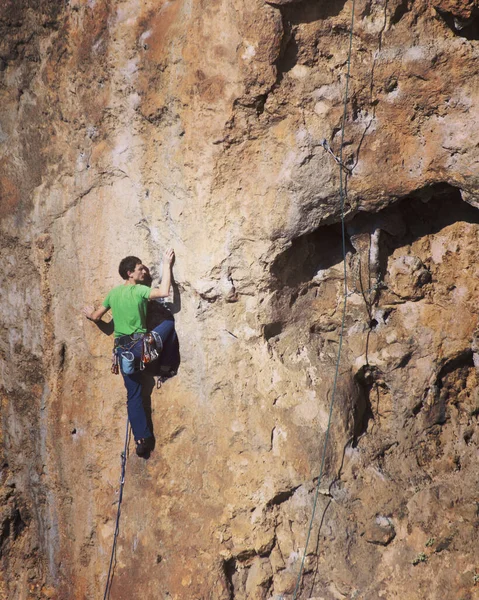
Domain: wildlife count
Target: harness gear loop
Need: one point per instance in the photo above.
(151, 346)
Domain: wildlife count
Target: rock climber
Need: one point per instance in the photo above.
(128, 303)
(169, 361)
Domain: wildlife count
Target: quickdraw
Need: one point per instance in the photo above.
(115, 363)
(148, 352)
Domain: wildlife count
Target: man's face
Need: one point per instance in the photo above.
(139, 274)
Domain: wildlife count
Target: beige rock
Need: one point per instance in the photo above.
(380, 531)
(259, 579)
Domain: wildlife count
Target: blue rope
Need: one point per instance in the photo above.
(109, 579)
(341, 336)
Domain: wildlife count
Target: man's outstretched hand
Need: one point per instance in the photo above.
(88, 312)
(169, 256)
(163, 291)
(94, 315)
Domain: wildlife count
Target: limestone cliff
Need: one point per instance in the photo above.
(130, 126)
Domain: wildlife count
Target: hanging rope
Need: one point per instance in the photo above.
(109, 578)
(345, 298)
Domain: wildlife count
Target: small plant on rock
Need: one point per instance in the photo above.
(420, 558)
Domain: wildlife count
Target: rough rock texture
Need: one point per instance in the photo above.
(129, 126)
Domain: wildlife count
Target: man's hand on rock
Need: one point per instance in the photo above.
(88, 312)
(169, 256)
(94, 315)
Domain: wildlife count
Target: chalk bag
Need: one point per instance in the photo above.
(127, 360)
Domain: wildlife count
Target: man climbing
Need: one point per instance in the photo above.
(128, 303)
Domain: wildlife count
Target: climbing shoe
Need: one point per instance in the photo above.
(143, 446)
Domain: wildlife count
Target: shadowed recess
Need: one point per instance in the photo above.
(426, 211)
(466, 28)
(309, 11)
(309, 254)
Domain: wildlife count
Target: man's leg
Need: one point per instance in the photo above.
(166, 331)
(136, 412)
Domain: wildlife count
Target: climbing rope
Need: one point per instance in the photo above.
(109, 578)
(340, 163)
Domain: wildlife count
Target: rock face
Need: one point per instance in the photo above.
(130, 126)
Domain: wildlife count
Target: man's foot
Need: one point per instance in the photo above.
(143, 446)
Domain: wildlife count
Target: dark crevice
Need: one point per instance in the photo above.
(401, 9)
(425, 211)
(4, 534)
(288, 54)
(362, 407)
(466, 28)
(450, 381)
(417, 408)
(363, 414)
(309, 11)
(464, 359)
(260, 102)
(18, 524)
(404, 361)
(281, 497)
(229, 568)
(245, 555)
(386, 314)
(255, 103)
(288, 57)
(11, 528)
(272, 330)
(62, 356)
(309, 254)
(467, 437)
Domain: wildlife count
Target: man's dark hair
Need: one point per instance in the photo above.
(128, 264)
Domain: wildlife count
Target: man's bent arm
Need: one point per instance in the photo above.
(164, 288)
(94, 315)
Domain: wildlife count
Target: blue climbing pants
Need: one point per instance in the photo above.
(133, 383)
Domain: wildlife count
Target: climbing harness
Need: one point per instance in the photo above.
(122, 347)
(151, 347)
(339, 161)
(123, 455)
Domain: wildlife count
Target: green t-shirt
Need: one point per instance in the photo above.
(128, 305)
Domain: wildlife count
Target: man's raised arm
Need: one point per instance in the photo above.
(164, 288)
